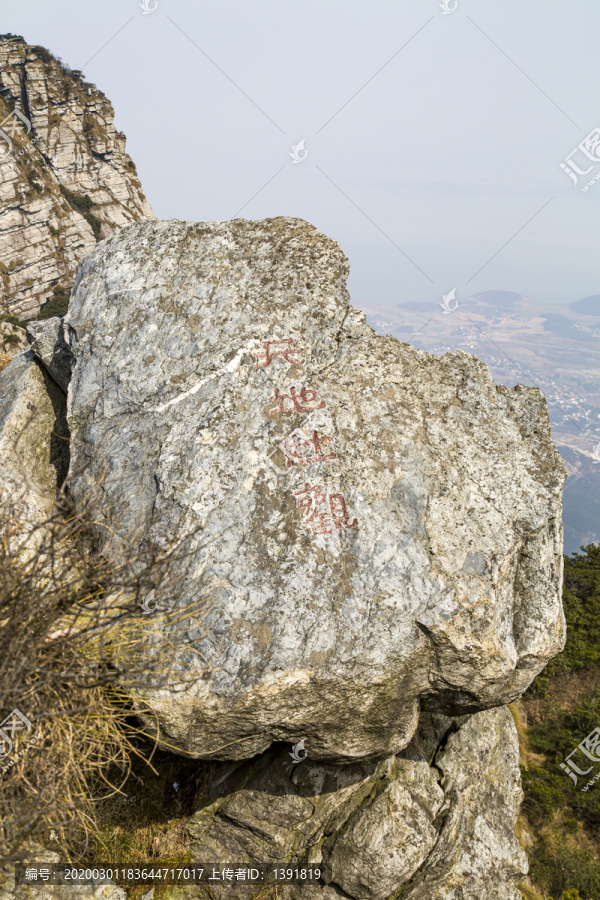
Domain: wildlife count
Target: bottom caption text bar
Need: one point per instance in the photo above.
(151, 873)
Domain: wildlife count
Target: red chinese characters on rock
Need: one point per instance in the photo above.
(323, 512)
(299, 449)
(306, 402)
(271, 349)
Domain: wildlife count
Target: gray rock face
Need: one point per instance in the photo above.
(48, 343)
(477, 853)
(431, 825)
(381, 528)
(33, 440)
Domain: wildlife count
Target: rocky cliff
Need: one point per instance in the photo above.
(376, 533)
(65, 178)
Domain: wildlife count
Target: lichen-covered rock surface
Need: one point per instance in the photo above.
(476, 853)
(33, 442)
(374, 530)
(51, 348)
(428, 824)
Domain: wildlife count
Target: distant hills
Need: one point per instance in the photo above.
(589, 306)
(499, 299)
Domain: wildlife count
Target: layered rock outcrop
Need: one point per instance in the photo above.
(65, 178)
(437, 820)
(380, 528)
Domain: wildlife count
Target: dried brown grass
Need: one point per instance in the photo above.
(73, 644)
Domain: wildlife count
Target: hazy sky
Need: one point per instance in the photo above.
(432, 138)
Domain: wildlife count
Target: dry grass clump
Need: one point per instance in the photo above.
(74, 640)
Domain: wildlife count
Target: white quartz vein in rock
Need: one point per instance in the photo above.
(231, 366)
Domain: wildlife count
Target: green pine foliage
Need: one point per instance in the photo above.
(581, 600)
(563, 819)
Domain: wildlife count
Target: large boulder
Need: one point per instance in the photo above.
(374, 530)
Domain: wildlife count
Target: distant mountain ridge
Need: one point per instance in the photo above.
(589, 306)
(499, 298)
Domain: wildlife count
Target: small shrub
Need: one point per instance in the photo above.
(32, 176)
(543, 795)
(89, 124)
(10, 103)
(560, 866)
(76, 201)
(57, 305)
(44, 54)
(83, 204)
(95, 224)
(19, 323)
